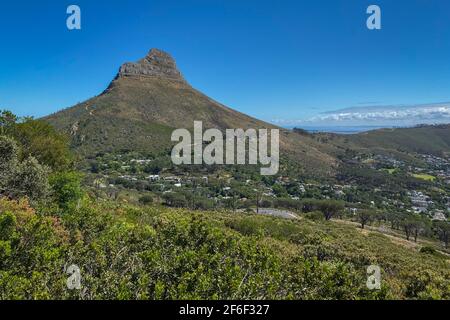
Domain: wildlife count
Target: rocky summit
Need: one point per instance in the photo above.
(157, 63)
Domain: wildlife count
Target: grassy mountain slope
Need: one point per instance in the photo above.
(148, 100)
(422, 139)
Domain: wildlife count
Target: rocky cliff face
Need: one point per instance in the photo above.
(156, 64)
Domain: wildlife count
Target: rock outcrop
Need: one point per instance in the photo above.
(156, 64)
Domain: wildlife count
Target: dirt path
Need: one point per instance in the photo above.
(278, 213)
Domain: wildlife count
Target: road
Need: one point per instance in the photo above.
(277, 213)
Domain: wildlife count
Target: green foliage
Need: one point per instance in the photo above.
(31, 180)
(414, 225)
(29, 149)
(314, 215)
(365, 216)
(330, 208)
(176, 200)
(287, 203)
(146, 199)
(66, 188)
(152, 252)
(7, 121)
(442, 229)
(27, 178)
(279, 190)
(40, 140)
(428, 250)
(8, 161)
(31, 249)
(157, 165)
(159, 253)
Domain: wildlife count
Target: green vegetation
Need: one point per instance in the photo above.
(26, 178)
(433, 140)
(365, 216)
(390, 171)
(425, 177)
(129, 244)
(141, 228)
(155, 253)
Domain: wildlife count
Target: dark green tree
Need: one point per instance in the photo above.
(442, 230)
(330, 208)
(66, 188)
(365, 216)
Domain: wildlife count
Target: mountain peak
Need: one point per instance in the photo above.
(157, 63)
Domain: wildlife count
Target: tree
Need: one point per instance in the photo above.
(40, 140)
(66, 188)
(442, 229)
(232, 202)
(330, 208)
(279, 190)
(21, 179)
(146, 200)
(7, 121)
(413, 226)
(365, 216)
(175, 200)
(309, 205)
(155, 166)
(8, 161)
(30, 180)
(396, 220)
(258, 197)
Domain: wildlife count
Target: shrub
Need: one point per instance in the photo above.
(315, 216)
(66, 188)
(146, 200)
(428, 250)
(265, 203)
(177, 200)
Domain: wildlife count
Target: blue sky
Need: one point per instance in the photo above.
(275, 60)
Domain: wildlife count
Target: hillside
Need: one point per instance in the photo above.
(427, 139)
(148, 100)
(127, 252)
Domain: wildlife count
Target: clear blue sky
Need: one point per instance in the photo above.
(270, 59)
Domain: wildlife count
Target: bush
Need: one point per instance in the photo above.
(176, 200)
(330, 208)
(125, 252)
(427, 250)
(18, 179)
(66, 188)
(265, 203)
(40, 140)
(287, 203)
(315, 216)
(204, 204)
(146, 200)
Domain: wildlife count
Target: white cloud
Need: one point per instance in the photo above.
(380, 115)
